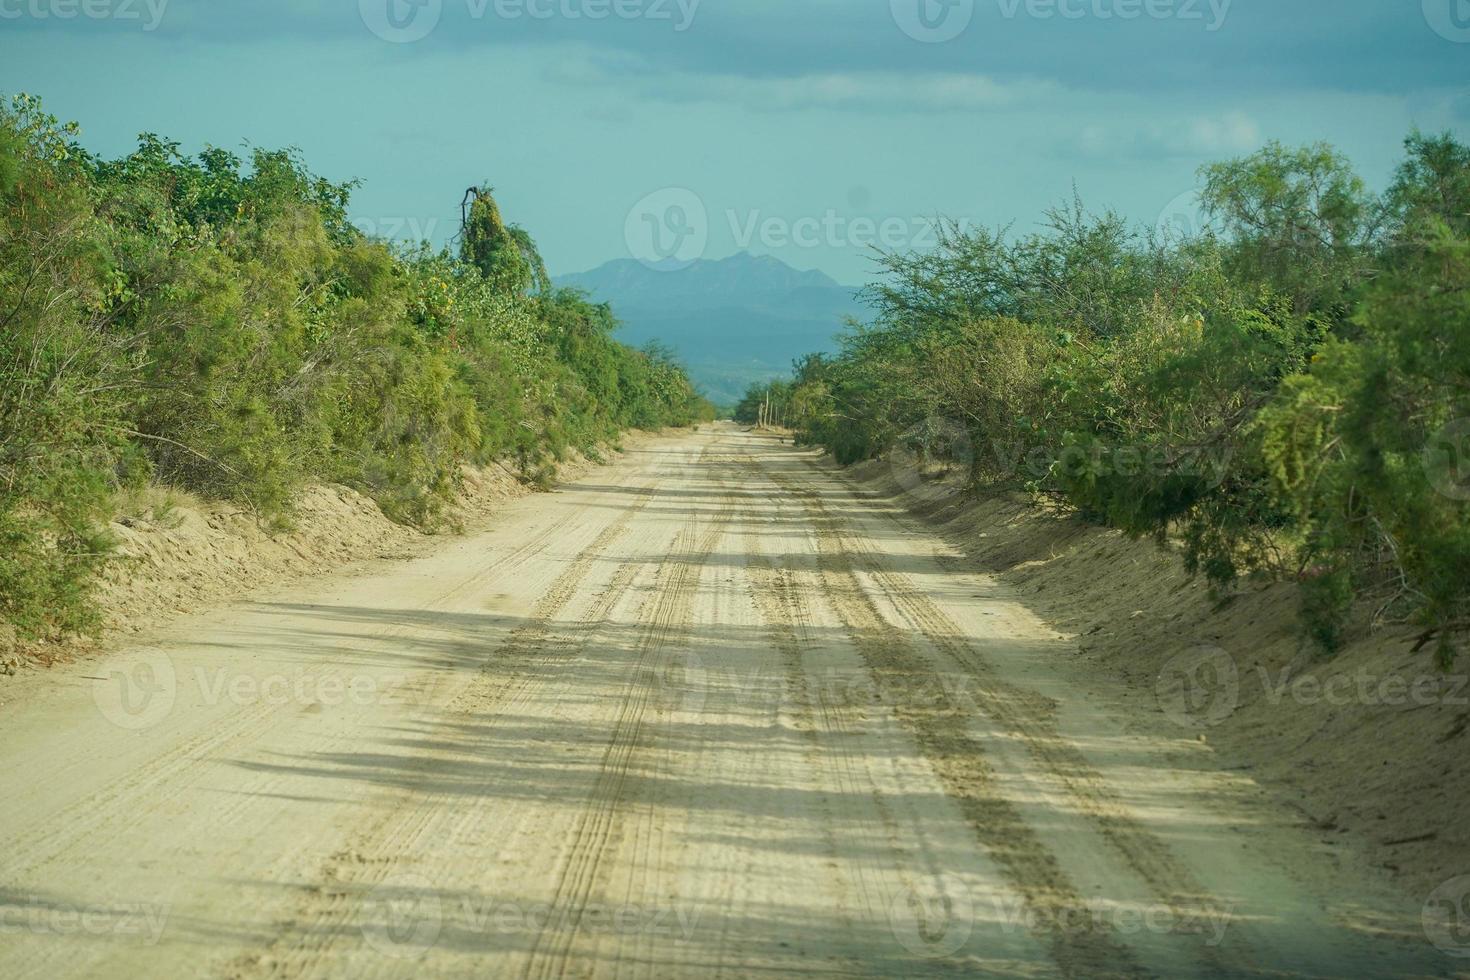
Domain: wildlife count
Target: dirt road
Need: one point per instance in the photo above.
(711, 711)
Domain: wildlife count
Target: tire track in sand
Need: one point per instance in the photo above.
(407, 816)
(1030, 715)
(663, 622)
(1082, 947)
(1032, 718)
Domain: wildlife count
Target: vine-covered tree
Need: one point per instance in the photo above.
(496, 250)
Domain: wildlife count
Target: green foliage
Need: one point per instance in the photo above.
(224, 329)
(1288, 398)
(62, 378)
(497, 251)
(1161, 435)
(1370, 448)
(768, 403)
(1300, 220)
(1432, 186)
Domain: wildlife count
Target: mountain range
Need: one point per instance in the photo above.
(733, 321)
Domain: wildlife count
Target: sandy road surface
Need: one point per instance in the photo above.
(711, 711)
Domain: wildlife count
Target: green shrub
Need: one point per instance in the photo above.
(223, 329)
(1369, 448)
(1286, 398)
(62, 380)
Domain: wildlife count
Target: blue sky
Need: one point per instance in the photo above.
(807, 129)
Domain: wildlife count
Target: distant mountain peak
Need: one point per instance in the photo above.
(733, 320)
(733, 277)
(750, 258)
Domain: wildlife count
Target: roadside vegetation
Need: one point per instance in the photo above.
(1285, 394)
(219, 326)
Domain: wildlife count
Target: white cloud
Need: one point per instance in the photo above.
(870, 91)
(1188, 135)
(1235, 132)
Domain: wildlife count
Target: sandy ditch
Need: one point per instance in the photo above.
(1369, 745)
(177, 554)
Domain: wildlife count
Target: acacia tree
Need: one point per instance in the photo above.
(1432, 185)
(1298, 219)
(1370, 446)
